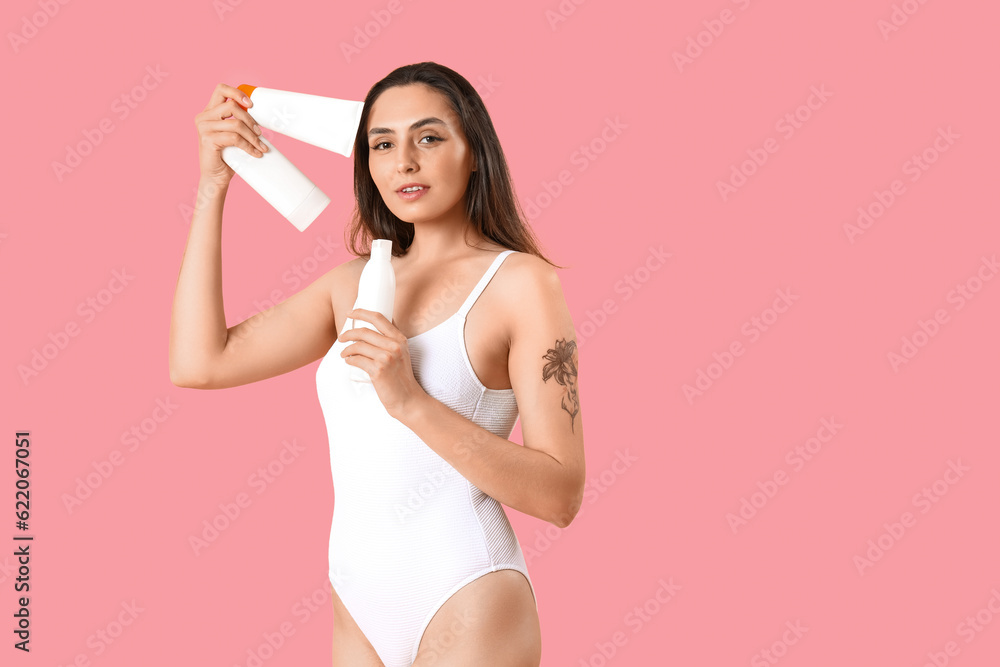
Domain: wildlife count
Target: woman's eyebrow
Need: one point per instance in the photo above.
(420, 123)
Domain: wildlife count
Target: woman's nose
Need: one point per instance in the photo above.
(405, 157)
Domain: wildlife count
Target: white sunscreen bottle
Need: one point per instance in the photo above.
(376, 291)
(327, 122)
(279, 182)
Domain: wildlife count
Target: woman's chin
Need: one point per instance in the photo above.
(415, 213)
(408, 215)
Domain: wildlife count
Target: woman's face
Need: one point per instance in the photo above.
(415, 137)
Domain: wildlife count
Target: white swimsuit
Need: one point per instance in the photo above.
(408, 530)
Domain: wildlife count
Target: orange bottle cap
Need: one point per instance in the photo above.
(247, 89)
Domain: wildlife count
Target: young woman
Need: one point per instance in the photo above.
(424, 565)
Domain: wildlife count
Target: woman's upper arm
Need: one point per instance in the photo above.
(542, 364)
(289, 335)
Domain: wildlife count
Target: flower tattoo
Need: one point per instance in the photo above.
(562, 366)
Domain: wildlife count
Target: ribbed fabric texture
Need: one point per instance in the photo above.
(408, 530)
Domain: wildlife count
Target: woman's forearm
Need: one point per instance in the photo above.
(524, 479)
(198, 329)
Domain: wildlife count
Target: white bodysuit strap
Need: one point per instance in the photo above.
(481, 285)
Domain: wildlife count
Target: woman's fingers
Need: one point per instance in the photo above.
(371, 353)
(235, 132)
(377, 319)
(223, 91)
(247, 127)
(360, 347)
(371, 340)
(226, 104)
(233, 109)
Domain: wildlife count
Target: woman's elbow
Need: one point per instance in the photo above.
(567, 508)
(186, 380)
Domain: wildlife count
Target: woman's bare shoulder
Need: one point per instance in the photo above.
(346, 272)
(524, 270)
(338, 284)
(524, 276)
(531, 285)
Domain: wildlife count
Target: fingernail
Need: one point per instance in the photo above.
(256, 128)
(247, 102)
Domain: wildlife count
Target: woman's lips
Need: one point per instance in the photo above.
(411, 196)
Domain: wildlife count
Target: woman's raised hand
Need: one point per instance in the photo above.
(225, 123)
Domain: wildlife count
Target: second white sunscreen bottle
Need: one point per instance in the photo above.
(279, 182)
(376, 291)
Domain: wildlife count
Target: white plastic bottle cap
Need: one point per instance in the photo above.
(310, 208)
(382, 248)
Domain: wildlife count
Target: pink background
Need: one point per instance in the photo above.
(551, 90)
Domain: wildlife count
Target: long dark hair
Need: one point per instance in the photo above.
(489, 198)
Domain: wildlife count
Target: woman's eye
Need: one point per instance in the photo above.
(378, 146)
